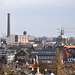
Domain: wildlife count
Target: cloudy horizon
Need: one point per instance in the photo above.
(37, 17)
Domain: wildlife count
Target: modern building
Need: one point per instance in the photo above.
(22, 38)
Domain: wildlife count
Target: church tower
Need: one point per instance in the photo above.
(62, 39)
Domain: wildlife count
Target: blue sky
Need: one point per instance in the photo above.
(37, 17)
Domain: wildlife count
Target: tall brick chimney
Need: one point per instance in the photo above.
(8, 25)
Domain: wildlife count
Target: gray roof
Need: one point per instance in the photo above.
(43, 52)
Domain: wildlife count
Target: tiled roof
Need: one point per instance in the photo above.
(33, 65)
(43, 52)
(64, 52)
(70, 46)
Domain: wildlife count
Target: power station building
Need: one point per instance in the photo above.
(15, 39)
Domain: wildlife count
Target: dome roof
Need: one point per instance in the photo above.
(24, 33)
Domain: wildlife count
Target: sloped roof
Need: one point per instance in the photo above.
(23, 51)
(70, 46)
(33, 65)
(42, 52)
(38, 74)
(64, 52)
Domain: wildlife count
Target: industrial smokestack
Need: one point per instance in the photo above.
(8, 25)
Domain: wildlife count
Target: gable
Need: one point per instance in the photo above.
(21, 53)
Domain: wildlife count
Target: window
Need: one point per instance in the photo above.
(20, 57)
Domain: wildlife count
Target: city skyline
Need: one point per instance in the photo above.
(37, 17)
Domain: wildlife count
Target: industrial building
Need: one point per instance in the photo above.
(15, 39)
(21, 38)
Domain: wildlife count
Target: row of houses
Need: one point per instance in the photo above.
(25, 55)
(44, 54)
